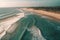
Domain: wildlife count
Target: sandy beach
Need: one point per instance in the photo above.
(52, 15)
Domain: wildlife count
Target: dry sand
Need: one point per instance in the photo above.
(53, 15)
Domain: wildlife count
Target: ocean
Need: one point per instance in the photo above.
(7, 12)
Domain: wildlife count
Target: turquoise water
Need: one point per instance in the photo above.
(48, 28)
